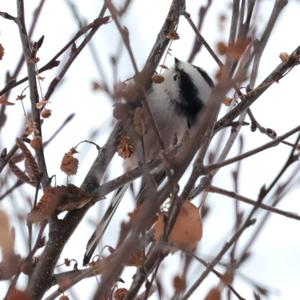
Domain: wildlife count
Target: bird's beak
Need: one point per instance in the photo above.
(176, 60)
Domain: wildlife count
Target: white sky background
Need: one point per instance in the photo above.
(276, 254)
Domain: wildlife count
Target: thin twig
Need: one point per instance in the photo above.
(260, 45)
(125, 37)
(96, 25)
(53, 62)
(34, 95)
(249, 222)
(249, 98)
(214, 189)
(93, 49)
(291, 159)
(197, 44)
(266, 146)
(61, 230)
(201, 39)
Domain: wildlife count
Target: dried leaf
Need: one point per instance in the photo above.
(46, 113)
(36, 142)
(173, 35)
(136, 259)
(187, 230)
(156, 78)
(16, 294)
(228, 101)
(31, 127)
(120, 294)
(222, 21)
(20, 97)
(125, 147)
(41, 103)
(34, 60)
(6, 238)
(31, 167)
(213, 294)
(139, 121)
(179, 284)
(72, 197)
(222, 48)
(96, 86)
(1, 51)
(227, 278)
(17, 158)
(46, 206)
(41, 78)
(58, 198)
(5, 101)
(235, 50)
(18, 172)
(284, 57)
(69, 163)
(121, 111)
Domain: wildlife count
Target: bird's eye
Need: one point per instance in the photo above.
(175, 77)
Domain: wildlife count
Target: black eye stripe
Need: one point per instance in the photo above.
(175, 76)
(205, 76)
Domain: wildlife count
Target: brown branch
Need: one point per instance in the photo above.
(201, 39)
(181, 162)
(154, 57)
(290, 160)
(53, 62)
(258, 49)
(4, 161)
(214, 189)
(119, 256)
(249, 98)
(36, 15)
(266, 146)
(219, 275)
(260, 45)
(125, 37)
(34, 95)
(197, 44)
(94, 51)
(244, 23)
(11, 189)
(248, 222)
(7, 16)
(60, 231)
(229, 244)
(122, 10)
(96, 25)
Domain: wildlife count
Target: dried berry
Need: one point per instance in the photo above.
(125, 148)
(69, 164)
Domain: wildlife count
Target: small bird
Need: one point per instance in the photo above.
(175, 103)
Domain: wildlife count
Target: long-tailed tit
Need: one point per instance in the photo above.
(175, 104)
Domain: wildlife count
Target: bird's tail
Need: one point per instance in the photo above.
(103, 224)
(159, 176)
